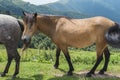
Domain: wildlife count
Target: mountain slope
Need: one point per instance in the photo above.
(43, 9)
(6, 6)
(70, 8)
(15, 7)
(107, 8)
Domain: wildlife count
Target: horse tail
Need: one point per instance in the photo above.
(113, 36)
(20, 22)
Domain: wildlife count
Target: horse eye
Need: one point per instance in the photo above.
(30, 24)
(34, 20)
(25, 19)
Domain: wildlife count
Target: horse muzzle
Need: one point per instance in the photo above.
(26, 41)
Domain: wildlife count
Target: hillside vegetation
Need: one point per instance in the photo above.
(15, 7)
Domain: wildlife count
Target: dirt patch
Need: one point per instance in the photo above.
(96, 75)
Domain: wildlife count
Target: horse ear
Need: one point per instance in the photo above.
(35, 15)
(24, 13)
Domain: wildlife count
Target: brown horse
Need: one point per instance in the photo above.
(66, 32)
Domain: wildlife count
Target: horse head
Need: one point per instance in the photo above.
(30, 27)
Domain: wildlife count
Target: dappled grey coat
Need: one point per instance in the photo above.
(10, 34)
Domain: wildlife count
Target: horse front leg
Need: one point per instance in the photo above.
(107, 57)
(67, 56)
(58, 50)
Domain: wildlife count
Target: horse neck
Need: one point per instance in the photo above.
(46, 25)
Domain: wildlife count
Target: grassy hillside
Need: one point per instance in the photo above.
(38, 65)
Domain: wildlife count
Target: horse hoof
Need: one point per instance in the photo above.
(13, 77)
(3, 75)
(56, 66)
(101, 72)
(69, 73)
(88, 75)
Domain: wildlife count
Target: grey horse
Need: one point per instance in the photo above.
(10, 34)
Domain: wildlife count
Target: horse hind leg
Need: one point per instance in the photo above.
(107, 57)
(12, 54)
(17, 60)
(7, 66)
(99, 59)
(58, 50)
(100, 49)
(10, 58)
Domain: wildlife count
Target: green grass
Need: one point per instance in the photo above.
(38, 65)
(45, 71)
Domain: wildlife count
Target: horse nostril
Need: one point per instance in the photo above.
(25, 39)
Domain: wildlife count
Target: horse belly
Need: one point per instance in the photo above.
(81, 43)
(81, 40)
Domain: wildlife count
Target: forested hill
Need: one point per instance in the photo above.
(70, 8)
(15, 7)
(8, 7)
(107, 8)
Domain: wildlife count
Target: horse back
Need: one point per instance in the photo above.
(9, 29)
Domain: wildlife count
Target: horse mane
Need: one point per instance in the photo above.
(53, 16)
(20, 22)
